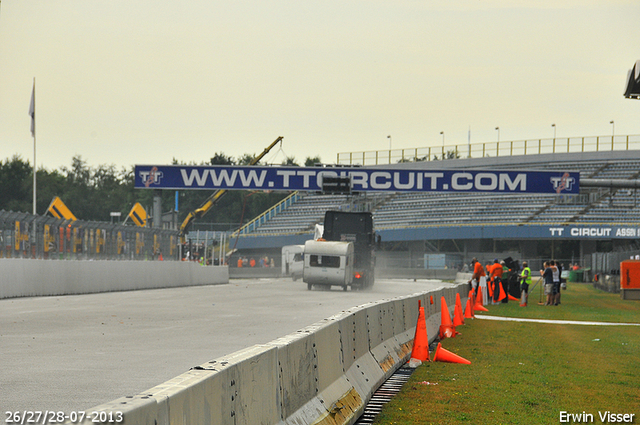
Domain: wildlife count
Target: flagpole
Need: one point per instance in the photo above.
(34, 173)
(32, 112)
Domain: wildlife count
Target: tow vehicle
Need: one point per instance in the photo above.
(357, 228)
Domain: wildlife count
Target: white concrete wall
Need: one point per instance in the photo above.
(26, 278)
(322, 374)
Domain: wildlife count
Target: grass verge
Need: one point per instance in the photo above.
(528, 373)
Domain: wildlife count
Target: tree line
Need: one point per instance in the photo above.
(92, 193)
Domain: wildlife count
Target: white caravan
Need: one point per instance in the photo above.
(292, 259)
(328, 263)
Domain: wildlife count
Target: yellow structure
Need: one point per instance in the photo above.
(58, 209)
(138, 215)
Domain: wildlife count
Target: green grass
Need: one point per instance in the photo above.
(580, 301)
(527, 373)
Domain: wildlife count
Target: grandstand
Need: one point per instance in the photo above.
(476, 221)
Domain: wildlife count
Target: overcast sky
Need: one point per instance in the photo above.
(143, 82)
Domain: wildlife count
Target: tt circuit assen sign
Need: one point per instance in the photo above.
(362, 179)
(594, 232)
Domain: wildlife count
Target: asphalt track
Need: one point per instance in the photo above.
(70, 353)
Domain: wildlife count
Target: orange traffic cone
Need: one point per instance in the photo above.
(523, 299)
(431, 299)
(512, 298)
(478, 306)
(502, 294)
(420, 350)
(468, 312)
(458, 319)
(442, 355)
(447, 329)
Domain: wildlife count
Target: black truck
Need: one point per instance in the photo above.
(356, 227)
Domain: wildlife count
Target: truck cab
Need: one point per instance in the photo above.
(355, 227)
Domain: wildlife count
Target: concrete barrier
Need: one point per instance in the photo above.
(412, 273)
(463, 277)
(26, 278)
(255, 272)
(322, 374)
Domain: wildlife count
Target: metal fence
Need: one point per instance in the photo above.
(24, 235)
(605, 267)
(492, 149)
(609, 262)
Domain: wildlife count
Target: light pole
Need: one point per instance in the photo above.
(613, 131)
(554, 131)
(498, 130)
(389, 137)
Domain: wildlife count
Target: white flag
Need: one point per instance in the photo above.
(32, 109)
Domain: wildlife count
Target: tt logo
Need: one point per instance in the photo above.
(562, 183)
(152, 176)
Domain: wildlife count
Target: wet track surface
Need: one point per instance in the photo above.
(74, 352)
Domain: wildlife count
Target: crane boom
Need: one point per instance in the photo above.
(215, 197)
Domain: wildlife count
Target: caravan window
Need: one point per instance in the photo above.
(297, 256)
(324, 261)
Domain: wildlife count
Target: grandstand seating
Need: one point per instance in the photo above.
(302, 215)
(622, 207)
(407, 210)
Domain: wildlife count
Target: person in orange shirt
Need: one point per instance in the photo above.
(489, 281)
(495, 271)
(479, 278)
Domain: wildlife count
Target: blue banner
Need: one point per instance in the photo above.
(362, 179)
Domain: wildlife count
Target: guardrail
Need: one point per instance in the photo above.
(24, 235)
(322, 374)
(41, 278)
(479, 150)
(265, 216)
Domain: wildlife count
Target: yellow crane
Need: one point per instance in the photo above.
(215, 197)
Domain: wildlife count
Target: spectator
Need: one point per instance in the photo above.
(525, 277)
(496, 271)
(556, 282)
(479, 278)
(547, 275)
